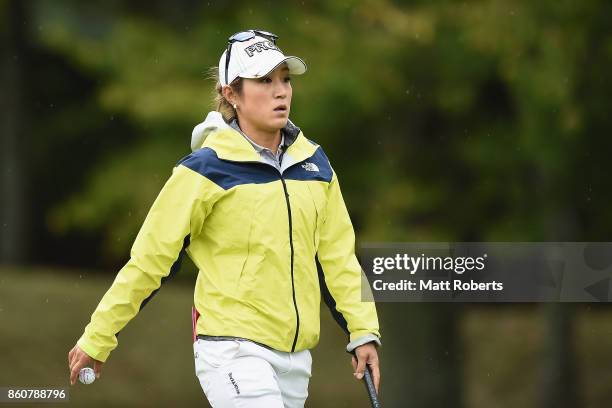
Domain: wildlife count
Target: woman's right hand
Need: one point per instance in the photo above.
(78, 359)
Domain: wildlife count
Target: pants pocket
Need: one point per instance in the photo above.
(215, 354)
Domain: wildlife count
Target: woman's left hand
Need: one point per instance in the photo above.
(366, 354)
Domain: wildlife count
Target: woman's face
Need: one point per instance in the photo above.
(265, 102)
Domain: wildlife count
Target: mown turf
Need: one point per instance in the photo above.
(43, 312)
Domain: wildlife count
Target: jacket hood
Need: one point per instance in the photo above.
(229, 144)
(214, 121)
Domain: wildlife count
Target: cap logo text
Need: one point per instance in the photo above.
(259, 47)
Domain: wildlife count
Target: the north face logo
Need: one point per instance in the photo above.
(310, 167)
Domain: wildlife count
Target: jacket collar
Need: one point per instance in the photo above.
(289, 133)
(229, 144)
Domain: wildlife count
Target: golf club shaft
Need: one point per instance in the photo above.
(369, 383)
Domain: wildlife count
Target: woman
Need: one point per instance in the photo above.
(258, 209)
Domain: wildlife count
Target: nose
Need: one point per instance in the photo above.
(280, 89)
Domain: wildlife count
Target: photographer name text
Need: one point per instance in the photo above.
(428, 264)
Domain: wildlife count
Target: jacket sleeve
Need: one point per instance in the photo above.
(179, 210)
(341, 278)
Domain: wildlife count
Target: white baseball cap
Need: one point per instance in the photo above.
(254, 54)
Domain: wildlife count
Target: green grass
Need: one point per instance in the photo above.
(43, 313)
(505, 346)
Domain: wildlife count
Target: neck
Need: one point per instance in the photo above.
(266, 138)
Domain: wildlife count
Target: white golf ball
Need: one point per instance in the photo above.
(87, 375)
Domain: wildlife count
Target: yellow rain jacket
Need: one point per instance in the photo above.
(268, 246)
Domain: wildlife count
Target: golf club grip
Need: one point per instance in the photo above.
(369, 383)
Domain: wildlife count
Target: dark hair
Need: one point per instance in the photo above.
(221, 104)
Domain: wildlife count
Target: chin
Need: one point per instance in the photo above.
(279, 123)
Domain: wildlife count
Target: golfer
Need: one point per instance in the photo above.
(257, 207)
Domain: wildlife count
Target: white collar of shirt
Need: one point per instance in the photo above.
(261, 149)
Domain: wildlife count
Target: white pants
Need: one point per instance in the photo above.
(243, 374)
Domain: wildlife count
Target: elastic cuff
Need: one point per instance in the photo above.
(363, 340)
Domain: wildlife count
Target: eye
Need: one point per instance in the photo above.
(265, 80)
(288, 79)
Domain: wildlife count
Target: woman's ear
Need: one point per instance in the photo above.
(228, 94)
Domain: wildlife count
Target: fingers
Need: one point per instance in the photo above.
(97, 368)
(74, 371)
(74, 360)
(359, 370)
(375, 369)
(354, 362)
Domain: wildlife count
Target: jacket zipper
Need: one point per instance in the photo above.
(297, 314)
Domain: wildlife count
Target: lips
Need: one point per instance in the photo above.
(281, 108)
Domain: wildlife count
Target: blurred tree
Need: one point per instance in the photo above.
(560, 378)
(13, 131)
(483, 120)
